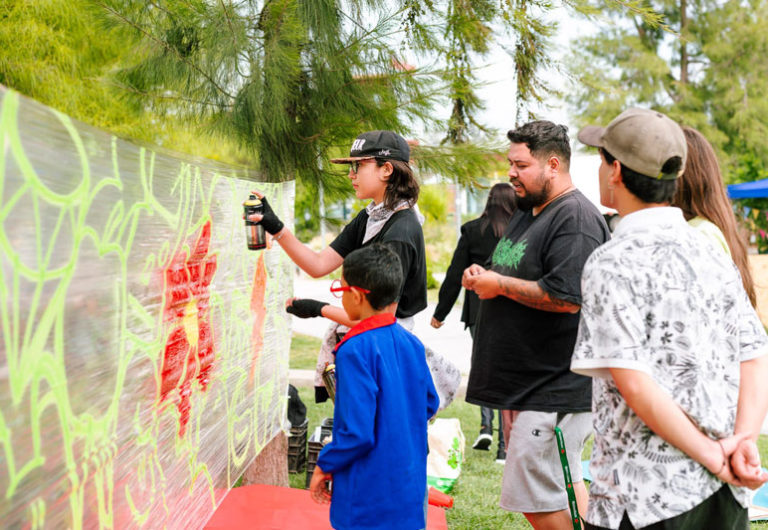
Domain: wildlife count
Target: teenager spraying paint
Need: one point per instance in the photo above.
(379, 171)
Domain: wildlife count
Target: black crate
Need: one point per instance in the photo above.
(314, 445)
(319, 438)
(326, 428)
(297, 448)
(297, 460)
(298, 435)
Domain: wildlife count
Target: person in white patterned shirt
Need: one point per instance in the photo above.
(676, 351)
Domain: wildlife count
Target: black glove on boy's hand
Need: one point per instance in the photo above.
(306, 308)
(270, 221)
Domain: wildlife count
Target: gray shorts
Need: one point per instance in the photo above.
(533, 476)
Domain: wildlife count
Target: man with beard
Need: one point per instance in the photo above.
(527, 324)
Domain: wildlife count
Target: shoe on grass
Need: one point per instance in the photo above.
(483, 442)
(501, 456)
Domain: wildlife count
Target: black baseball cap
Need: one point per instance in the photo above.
(377, 144)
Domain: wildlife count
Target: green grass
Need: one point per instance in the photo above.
(762, 446)
(304, 350)
(476, 494)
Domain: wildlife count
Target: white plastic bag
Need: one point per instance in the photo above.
(446, 453)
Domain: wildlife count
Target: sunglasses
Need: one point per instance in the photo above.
(355, 164)
(338, 290)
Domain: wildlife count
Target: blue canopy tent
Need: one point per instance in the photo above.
(749, 190)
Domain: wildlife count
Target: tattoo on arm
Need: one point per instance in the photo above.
(530, 294)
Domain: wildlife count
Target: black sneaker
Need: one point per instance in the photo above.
(483, 442)
(501, 456)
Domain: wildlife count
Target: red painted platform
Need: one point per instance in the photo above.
(261, 507)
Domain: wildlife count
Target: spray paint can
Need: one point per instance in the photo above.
(254, 232)
(329, 379)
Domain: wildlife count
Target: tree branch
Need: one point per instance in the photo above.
(165, 45)
(229, 22)
(153, 95)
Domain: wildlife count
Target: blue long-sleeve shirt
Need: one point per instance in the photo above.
(378, 455)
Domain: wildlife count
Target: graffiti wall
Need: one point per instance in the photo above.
(143, 353)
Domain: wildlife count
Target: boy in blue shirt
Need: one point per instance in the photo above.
(384, 398)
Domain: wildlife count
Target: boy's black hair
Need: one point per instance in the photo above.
(378, 269)
(648, 189)
(544, 139)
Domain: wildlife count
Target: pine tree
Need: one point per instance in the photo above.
(60, 53)
(57, 53)
(292, 80)
(706, 69)
(295, 80)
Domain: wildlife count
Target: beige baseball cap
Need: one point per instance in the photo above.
(641, 139)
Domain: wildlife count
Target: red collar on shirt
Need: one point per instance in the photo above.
(376, 321)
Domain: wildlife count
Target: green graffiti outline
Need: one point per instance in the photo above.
(45, 327)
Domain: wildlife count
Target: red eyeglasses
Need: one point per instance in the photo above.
(338, 290)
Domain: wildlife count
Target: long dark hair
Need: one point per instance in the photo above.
(701, 193)
(401, 186)
(499, 208)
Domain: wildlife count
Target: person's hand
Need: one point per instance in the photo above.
(485, 284)
(305, 307)
(268, 219)
(469, 273)
(745, 464)
(435, 323)
(718, 462)
(318, 486)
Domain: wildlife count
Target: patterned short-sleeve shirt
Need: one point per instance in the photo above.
(661, 299)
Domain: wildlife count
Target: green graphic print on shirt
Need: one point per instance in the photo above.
(508, 254)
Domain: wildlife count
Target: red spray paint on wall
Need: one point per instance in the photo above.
(188, 354)
(259, 312)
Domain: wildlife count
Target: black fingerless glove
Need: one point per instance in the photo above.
(270, 221)
(306, 308)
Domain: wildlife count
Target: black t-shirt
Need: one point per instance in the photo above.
(402, 233)
(521, 356)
